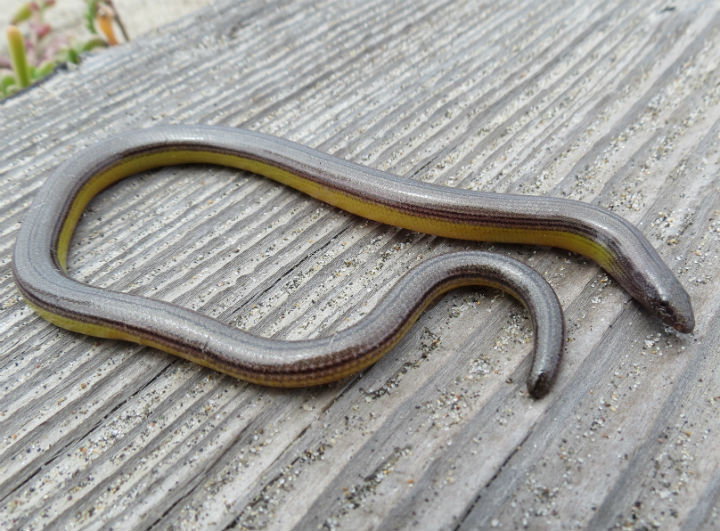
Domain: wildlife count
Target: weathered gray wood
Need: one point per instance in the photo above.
(616, 103)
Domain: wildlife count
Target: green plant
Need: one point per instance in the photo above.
(18, 56)
(35, 49)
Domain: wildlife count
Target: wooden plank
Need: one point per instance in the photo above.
(617, 104)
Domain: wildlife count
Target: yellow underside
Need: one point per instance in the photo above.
(355, 205)
(288, 380)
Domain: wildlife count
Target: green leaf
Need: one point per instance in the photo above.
(43, 70)
(7, 81)
(18, 56)
(91, 44)
(23, 13)
(8, 85)
(90, 14)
